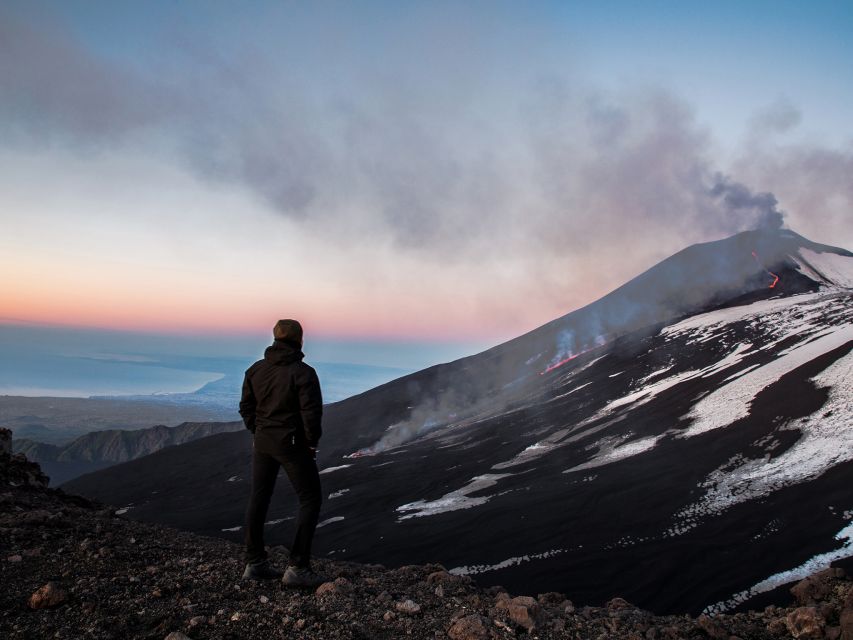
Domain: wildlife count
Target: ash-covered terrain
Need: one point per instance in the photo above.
(685, 443)
(73, 568)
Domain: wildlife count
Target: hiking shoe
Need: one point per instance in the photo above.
(261, 571)
(301, 577)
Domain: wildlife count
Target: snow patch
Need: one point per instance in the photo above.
(836, 268)
(826, 441)
(731, 402)
(337, 494)
(330, 521)
(455, 500)
(503, 564)
(331, 469)
(810, 566)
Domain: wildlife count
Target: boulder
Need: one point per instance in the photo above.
(805, 622)
(811, 589)
(524, 611)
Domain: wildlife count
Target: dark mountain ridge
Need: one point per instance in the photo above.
(101, 449)
(683, 446)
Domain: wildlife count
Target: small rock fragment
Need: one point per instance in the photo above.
(619, 604)
(176, 635)
(471, 627)
(49, 595)
(408, 606)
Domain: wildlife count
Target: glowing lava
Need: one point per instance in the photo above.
(559, 364)
(766, 270)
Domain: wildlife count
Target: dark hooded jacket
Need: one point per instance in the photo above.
(282, 404)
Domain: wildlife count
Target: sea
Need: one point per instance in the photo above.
(38, 360)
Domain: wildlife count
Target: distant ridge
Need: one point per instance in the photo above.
(101, 449)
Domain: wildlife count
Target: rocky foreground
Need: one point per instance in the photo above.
(72, 568)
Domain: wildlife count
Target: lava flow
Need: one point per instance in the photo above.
(559, 364)
(766, 270)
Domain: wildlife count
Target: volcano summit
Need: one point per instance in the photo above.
(684, 442)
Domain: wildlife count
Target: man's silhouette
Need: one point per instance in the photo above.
(283, 407)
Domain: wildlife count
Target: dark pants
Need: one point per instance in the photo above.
(302, 470)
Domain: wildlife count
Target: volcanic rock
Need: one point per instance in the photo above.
(470, 627)
(523, 610)
(409, 607)
(805, 622)
(50, 595)
(337, 586)
(814, 588)
(712, 628)
(846, 623)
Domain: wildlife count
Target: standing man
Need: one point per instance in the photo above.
(283, 407)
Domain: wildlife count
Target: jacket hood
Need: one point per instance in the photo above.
(282, 352)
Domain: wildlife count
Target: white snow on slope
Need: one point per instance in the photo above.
(608, 447)
(826, 441)
(469, 570)
(801, 317)
(836, 268)
(731, 402)
(331, 469)
(810, 566)
(458, 499)
(329, 521)
(617, 451)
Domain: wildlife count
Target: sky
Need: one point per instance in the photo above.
(435, 172)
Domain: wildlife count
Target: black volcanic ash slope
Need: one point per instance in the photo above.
(72, 569)
(698, 462)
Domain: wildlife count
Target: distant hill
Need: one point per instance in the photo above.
(101, 449)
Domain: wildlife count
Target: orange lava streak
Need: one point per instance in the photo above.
(560, 363)
(767, 271)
